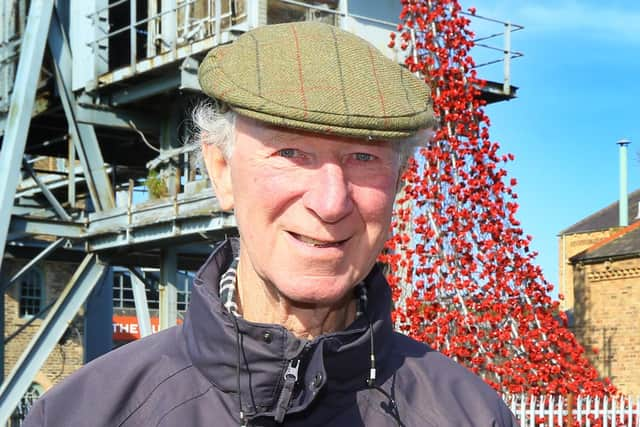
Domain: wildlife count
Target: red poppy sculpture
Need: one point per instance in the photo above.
(463, 277)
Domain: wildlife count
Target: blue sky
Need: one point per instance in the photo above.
(578, 90)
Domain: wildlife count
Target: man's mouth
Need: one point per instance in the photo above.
(317, 243)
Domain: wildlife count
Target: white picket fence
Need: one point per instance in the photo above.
(543, 411)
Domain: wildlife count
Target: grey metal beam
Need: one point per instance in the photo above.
(506, 86)
(9, 29)
(55, 204)
(42, 255)
(71, 176)
(53, 182)
(133, 39)
(21, 107)
(38, 211)
(146, 89)
(31, 207)
(142, 306)
(190, 228)
(24, 225)
(186, 215)
(183, 216)
(53, 327)
(169, 140)
(83, 135)
(98, 319)
(168, 291)
(136, 271)
(112, 117)
(189, 75)
(216, 29)
(169, 24)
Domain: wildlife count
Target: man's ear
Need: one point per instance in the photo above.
(220, 175)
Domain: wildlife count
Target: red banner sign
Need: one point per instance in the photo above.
(126, 328)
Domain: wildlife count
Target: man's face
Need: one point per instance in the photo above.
(313, 210)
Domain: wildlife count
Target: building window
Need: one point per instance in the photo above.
(185, 281)
(31, 292)
(123, 292)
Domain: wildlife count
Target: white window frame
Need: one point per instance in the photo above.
(35, 274)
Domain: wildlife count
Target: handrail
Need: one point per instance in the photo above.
(191, 28)
(114, 4)
(497, 21)
(144, 21)
(339, 13)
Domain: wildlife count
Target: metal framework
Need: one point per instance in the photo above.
(75, 293)
(22, 100)
(142, 307)
(106, 102)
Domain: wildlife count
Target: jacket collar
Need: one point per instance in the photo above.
(337, 362)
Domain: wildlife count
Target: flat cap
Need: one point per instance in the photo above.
(317, 77)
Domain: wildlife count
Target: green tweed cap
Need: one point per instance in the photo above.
(317, 77)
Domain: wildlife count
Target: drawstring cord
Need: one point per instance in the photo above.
(371, 381)
(372, 357)
(243, 420)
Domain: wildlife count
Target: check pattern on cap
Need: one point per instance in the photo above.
(319, 78)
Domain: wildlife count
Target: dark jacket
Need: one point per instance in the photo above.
(188, 375)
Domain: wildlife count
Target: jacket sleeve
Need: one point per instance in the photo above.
(35, 416)
(508, 419)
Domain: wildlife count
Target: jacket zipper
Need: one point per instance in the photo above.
(290, 380)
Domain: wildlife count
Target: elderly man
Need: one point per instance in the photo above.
(290, 324)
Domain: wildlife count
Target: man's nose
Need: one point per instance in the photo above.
(329, 195)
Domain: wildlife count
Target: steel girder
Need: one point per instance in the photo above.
(55, 204)
(42, 255)
(21, 107)
(83, 135)
(149, 88)
(98, 319)
(186, 215)
(168, 287)
(92, 114)
(75, 293)
(140, 299)
(23, 226)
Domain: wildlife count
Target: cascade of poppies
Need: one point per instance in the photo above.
(463, 277)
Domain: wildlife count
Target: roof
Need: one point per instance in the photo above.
(605, 218)
(622, 244)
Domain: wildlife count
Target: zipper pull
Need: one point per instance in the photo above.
(290, 379)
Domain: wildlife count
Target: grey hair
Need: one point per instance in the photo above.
(211, 126)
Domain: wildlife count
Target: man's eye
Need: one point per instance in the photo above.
(364, 157)
(288, 152)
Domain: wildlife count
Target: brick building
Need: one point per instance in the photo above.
(29, 299)
(600, 279)
(25, 305)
